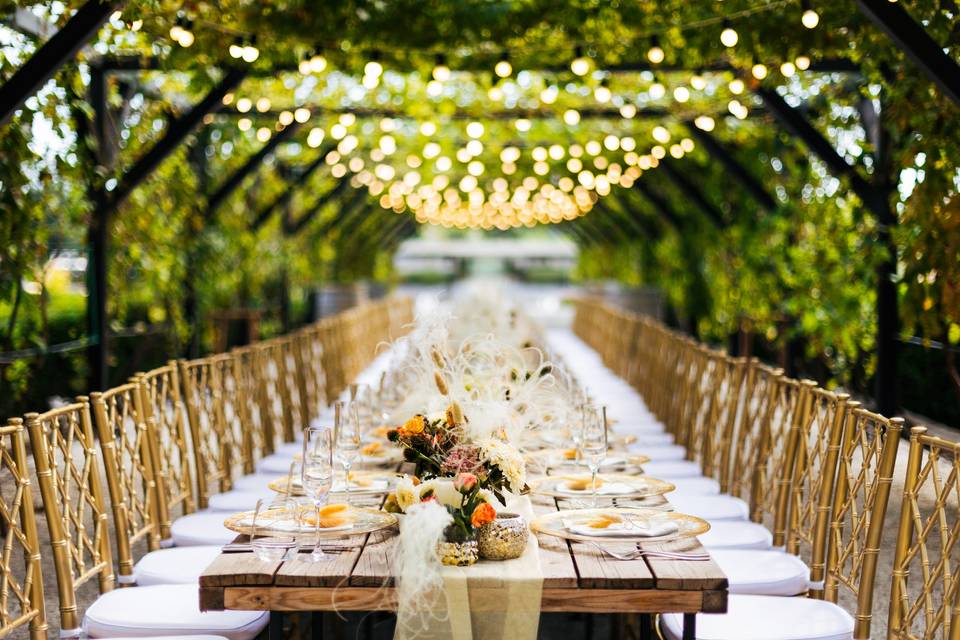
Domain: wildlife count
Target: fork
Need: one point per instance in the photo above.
(640, 553)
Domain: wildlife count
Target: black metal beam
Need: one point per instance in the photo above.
(719, 152)
(131, 62)
(282, 200)
(627, 229)
(62, 46)
(693, 192)
(346, 209)
(252, 164)
(641, 223)
(660, 204)
(297, 226)
(178, 130)
(795, 122)
(912, 38)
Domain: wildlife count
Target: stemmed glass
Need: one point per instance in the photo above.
(347, 440)
(316, 476)
(593, 442)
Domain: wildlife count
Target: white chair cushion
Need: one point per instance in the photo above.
(277, 464)
(177, 565)
(201, 528)
(768, 618)
(647, 438)
(164, 610)
(665, 453)
(256, 481)
(711, 508)
(669, 469)
(734, 534)
(763, 572)
(701, 486)
(237, 500)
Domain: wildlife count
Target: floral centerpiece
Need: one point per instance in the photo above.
(462, 475)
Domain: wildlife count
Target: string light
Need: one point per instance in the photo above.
(571, 117)
(803, 63)
(580, 65)
(373, 68)
(681, 94)
(661, 135)
(317, 62)
(736, 86)
(182, 32)
(655, 52)
(698, 82)
(602, 93)
(244, 105)
(428, 128)
(441, 72)
(729, 36)
(301, 115)
(250, 51)
(628, 110)
(503, 68)
(788, 69)
(475, 129)
(522, 125)
(236, 48)
(657, 90)
(759, 72)
(810, 18)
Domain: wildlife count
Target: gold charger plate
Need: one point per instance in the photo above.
(280, 484)
(556, 458)
(363, 520)
(645, 486)
(552, 524)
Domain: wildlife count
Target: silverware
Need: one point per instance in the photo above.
(246, 547)
(647, 553)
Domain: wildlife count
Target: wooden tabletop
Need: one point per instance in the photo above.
(577, 577)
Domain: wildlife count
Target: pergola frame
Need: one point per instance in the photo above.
(892, 19)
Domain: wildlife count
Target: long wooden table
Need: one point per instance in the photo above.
(577, 577)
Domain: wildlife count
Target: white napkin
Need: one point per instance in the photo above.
(373, 485)
(650, 529)
(604, 489)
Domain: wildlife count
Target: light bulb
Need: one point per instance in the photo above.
(250, 53)
(729, 37)
(371, 82)
(236, 50)
(285, 118)
(788, 69)
(434, 88)
(810, 18)
(759, 71)
(244, 105)
(495, 94)
(263, 134)
(503, 68)
(522, 125)
(441, 73)
(175, 32)
(317, 63)
(373, 68)
(580, 64)
(263, 105)
(655, 54)
(602, 94)
(704, 123)
(803, 63)
(549, 95)
(661, 135)
(428, 128)
(681, 94)
(698, 82)
(628, 110)
(736, 86)
(303, 67)
(571, 116)
(657, 91)
(301, 115)
(475, 129)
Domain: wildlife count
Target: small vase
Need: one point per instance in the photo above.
(460, 554)
(504, 538)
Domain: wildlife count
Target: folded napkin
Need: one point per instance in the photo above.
(649, 529)
(603, 489)
(360, 485)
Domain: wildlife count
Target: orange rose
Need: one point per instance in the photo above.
(483, 514)
(413, 426)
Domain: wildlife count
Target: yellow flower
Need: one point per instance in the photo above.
(413, 426)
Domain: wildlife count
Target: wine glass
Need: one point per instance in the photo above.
(347, 440)
(593, 442)
(316, 477)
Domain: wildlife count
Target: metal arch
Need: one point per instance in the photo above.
(722, 154)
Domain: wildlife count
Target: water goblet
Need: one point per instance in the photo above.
(316, 477)
(347, 441)
(593, 442)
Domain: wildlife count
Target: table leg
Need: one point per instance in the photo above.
(689, 626)
(646, 622)
(316, 625)
(275, 630)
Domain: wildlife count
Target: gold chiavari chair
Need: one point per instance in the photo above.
(818, 437)
(68, 473)
(124, 443)
(295, 412)
(256, 441)
(864, 476)
(313, 378)
(213, 441)
(866, 459)
(21, 584)
(725, 413)
(165, 415)
(925, 593)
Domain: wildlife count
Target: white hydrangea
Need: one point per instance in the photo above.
(505, 455)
